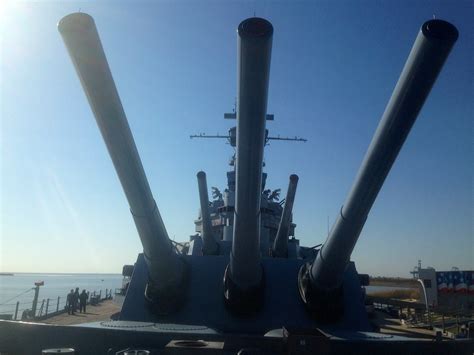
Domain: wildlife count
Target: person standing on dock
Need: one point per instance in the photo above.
(69, 302)
(82, 301)
(75, 300)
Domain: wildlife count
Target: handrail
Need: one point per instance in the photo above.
(49, 306)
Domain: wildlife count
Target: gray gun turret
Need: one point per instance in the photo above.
(244, 231)
(280, 246)
(320, 282)
(165, 268)
(210, 245)
(244, 276)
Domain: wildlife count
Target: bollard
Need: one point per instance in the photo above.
(16, 309)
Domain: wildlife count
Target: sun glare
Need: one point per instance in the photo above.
(6, 7)
(12, 10)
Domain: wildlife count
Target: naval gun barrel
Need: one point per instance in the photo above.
(80, 36)
(254, 54)
(210, 245)
(280, 245)
(430, 50)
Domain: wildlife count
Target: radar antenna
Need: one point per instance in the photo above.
(231, 136)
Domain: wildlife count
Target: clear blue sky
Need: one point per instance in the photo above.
(334, 66)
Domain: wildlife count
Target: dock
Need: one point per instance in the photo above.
(100, 312)
(393, 326)
(414, 305)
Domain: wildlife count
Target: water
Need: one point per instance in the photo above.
(54, 285)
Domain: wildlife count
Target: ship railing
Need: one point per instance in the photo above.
(440, 318)
(450, 322)
(47, 307)
(120, 291)
(13, 311)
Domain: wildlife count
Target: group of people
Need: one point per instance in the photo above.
(74, 298)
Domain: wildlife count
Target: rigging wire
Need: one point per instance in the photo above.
(22, 293)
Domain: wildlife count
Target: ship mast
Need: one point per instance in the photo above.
(231, 135)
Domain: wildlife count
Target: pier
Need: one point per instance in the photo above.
(46, 308)
(100, 312)
(383, 301)
(413, 319)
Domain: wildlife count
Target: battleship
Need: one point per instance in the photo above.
(242, 284)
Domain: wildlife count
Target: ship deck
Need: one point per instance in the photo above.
(100, 312)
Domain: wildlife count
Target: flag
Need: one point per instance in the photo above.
(459, 283)
(470, 281)
(450, 281)
(441, 280)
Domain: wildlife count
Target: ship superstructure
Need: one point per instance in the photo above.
(221, 206)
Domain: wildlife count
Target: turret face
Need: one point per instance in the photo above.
(254, 53)
(85, 49)
(429, 52)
